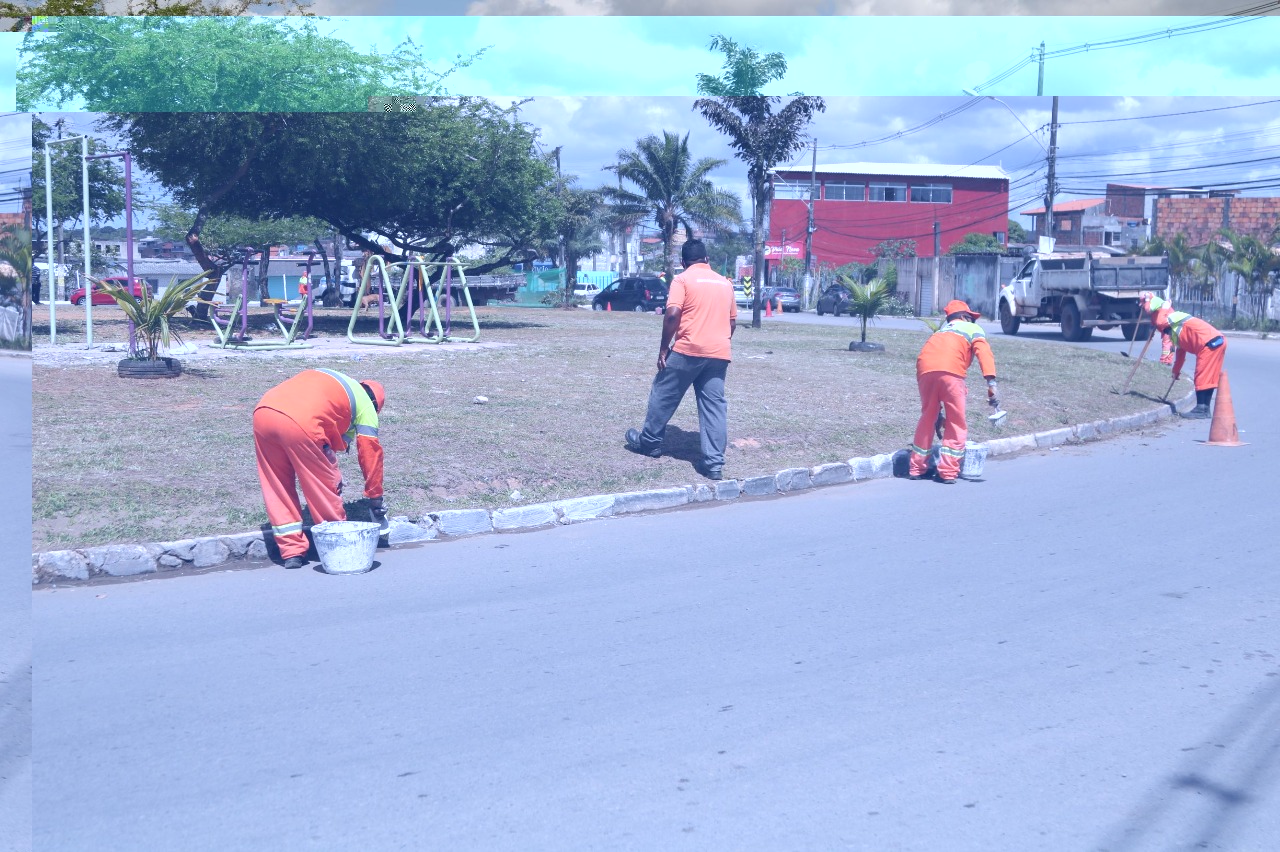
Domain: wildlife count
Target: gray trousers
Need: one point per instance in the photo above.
(669, 386)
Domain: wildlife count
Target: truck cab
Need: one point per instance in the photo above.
(1082, 291)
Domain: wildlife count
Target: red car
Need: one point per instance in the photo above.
(101, 297)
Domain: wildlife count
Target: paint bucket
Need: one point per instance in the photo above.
(346, 547)
(975, 456)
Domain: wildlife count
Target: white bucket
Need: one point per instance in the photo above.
(346, 547)
(975, 455)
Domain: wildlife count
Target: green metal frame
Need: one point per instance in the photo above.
(437, 292)
(399, 335)
(226, 338)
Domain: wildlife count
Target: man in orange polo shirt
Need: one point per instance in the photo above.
(940, 371)
(700, 319)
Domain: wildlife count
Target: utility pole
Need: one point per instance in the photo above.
(58, 278)
(563, 264)
(1049, 184)
(1040, 84)
(808, 235)
(937, 261)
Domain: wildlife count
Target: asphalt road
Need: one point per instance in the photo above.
(1079, 653)
(15, 604)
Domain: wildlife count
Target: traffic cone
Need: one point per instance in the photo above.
(768, 308)
(1222, 430)
(608, 306)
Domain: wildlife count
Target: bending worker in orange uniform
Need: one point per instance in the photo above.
(1185, 333)
(296, 426)
(940, 371)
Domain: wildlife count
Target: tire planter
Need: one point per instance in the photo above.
(161, 368)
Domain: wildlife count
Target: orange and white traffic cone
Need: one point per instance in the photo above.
(768, 308)
(1222, 430)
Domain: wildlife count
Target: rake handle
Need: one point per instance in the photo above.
(1136, 364)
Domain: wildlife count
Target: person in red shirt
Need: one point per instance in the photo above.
(697, 326)
(940, 371)
(296, 426)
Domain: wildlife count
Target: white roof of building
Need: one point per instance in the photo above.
(907, 170)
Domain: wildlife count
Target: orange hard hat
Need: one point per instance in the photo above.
(955, 306)
(379, 394)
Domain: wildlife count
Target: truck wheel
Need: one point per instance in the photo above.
(1137, 331)
(639, 308)
(820, 311)
(1009, 324)
(1072, 330)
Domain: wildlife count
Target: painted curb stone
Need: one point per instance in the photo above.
(459, 522)
(649, 501)
(760, 486)
(124, 560)
(831, 474)
(728, 490)
(62, 565)
(404, 531)
(702, 493)
(1053, 437)
(793, 479)
(583, 508)
(524, 517)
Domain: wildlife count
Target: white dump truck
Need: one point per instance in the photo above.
(1082, 291)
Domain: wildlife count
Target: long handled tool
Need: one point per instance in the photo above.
(1165, 398)
(1136, 364)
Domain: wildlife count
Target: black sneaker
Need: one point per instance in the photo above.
(1200, 412)
(950, 481)
(293, 562)
(918, 476)
(633, 444)
(712, 473)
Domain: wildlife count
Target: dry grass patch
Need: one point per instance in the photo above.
(126, 460)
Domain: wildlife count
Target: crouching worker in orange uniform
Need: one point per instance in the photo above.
(296, 428)
(1187, 334)
(940, 371)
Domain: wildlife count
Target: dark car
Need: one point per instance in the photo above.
(834, 300)
(632, 294)
(784, 299)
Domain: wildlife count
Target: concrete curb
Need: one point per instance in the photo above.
(123, 560)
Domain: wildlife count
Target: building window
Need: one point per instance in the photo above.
(790, 190)
(888, 192)
(1064, 225)
(1000, 237)
(834, 190)
(932, 193)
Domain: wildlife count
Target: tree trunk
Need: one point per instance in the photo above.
(760, 234)
(324, 260)
(213, 270)
(265, 264)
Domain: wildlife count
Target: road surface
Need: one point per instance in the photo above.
(15, 604)
(1081, 652)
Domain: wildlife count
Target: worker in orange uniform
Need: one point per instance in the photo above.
(940, 371)
(1187, 334)
(296, 427)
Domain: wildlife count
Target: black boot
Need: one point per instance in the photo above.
(1200, 412)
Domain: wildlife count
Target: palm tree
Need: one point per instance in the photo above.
(674, 189)
(1180, 254)
(866, 300)
(762, 139)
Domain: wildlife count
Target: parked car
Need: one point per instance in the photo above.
(586, 290)
(787, 299)
(101, 297)
(833, 300)
(740, 296)
(632, 294)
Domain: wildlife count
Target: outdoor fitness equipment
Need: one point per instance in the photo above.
(419, 300)
(288, 316)
(225, 316)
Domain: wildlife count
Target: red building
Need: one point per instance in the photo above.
(859, 205)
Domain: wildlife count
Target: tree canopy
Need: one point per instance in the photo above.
(746, 72)
(462, 171)
(976, 243)
(213, 64)
(674, 189)
(23, 12)
(106, 182)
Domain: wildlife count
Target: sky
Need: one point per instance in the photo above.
(1144, 140)
(894, 55)
(15, 158)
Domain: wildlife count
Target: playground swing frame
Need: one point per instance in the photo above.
(223, 317)
(415, 279)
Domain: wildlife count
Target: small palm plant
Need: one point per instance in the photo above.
(866, 300)
(150, 314)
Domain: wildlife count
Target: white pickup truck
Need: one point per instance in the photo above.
(1082, 292)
